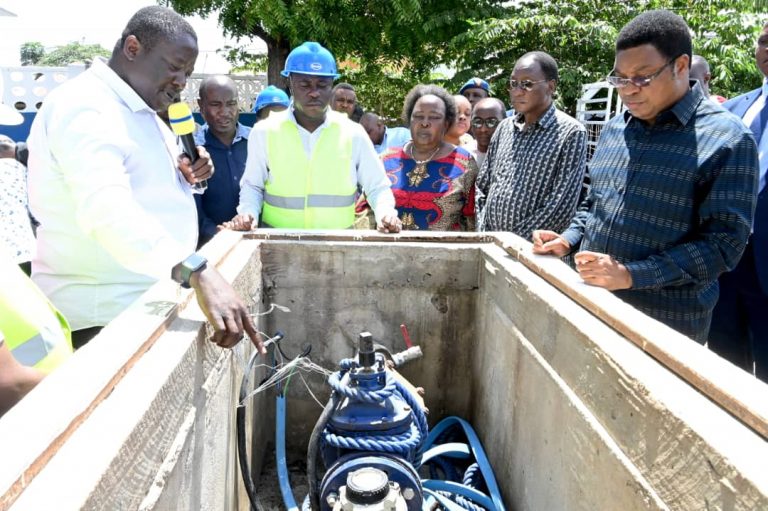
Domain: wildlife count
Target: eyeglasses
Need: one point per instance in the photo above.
(489, 123)
(526, 85)
(638, 81)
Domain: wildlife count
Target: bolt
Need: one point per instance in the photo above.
(331, 499)
(408, 493)
(407, 408)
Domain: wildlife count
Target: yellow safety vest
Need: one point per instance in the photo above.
(309, 193)
(35, 332)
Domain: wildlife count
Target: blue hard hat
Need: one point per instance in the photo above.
(310, 58)
(475, 83)
(271, 96)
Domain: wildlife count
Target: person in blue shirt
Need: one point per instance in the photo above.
(226, 140)
(271, 99)
(383, 137)
(673, 185)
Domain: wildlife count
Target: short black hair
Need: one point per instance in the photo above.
(547, 64)
(154, 23)
(421, 90)
(664, 30)
(343, 85)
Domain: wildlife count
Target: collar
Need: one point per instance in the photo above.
(101, 70)
(241, 133)
(683, 110)
(764, 88)
(545, 121)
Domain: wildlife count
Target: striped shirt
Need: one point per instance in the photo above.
(673, 202)
(532, 176)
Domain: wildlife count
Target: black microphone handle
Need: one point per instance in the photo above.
(188, 142)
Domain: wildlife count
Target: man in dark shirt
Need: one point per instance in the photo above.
(740, 321)
(673, 185)
(534, 169)
(226, 140)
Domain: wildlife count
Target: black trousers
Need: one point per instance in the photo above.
(739, 331)
(81, 337)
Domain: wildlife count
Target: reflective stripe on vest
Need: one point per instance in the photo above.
(309, 192)
(35, 332)
(312, 201)
(31, 351)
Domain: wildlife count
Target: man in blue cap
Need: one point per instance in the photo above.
(270, 100)
(305, 165)
(475, 89)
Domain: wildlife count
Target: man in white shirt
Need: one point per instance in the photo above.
(116, 213)
(305, 164)
(382, 136)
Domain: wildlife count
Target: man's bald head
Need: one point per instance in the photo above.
(700, 71)
(372, 125)
(219, 107)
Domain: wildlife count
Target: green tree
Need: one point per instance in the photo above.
(73, 52)
(408, 36)
(31, 53)
(580, 35)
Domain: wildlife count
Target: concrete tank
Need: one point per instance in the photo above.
(582, 402)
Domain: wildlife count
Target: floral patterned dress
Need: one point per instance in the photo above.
(438, 195)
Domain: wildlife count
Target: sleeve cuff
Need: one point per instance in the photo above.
(573, 237)
(644, 274)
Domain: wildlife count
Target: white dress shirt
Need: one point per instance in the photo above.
(762, 144)
(366, 169)
(115, 213)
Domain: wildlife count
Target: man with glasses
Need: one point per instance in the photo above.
(672, 185)
(740, 322)
(486, 116)
(534, 168)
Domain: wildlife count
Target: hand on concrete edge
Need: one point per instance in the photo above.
(390, 223)
(550, 243)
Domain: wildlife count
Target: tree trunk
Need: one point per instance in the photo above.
(277, 52)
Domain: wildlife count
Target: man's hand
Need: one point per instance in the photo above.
(16, 380)
(202, 168)
(549, 242)
(242, 222)
(602, 270)
(224, 309)
(390, 223)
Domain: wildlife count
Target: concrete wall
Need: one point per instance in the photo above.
(573, 415)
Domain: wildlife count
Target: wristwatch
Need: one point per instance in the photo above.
(183, 271)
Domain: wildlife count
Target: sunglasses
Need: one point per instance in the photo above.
(638, 81)
(490, 123)
(526, 85)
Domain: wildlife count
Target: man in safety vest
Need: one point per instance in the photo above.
(305, 164)
(34, 336)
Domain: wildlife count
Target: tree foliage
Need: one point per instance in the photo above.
(30, 53)
(580, 35)
(34, 54)
(385, 47)
(375, 41)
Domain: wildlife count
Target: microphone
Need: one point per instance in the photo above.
(183, 125)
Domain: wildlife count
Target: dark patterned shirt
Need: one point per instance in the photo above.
(532, 176)
(673, 202)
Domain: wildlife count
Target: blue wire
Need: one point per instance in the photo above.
(282, 466)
